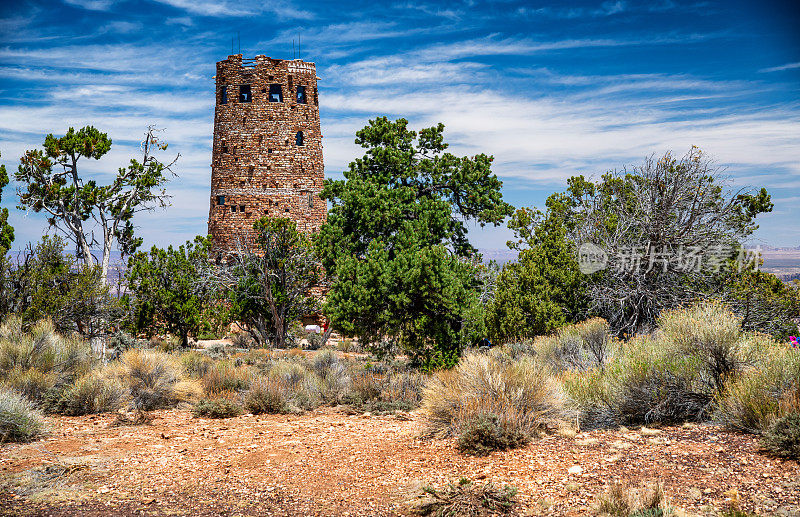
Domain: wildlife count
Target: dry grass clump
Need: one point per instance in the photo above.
(624, 500)
(224, 376)
(41, 363)
(576, 347)
(152, 379)
(712, 334)
(764, 393)
(95, 392)
(19, 420)
(518, 397)
(465, 498)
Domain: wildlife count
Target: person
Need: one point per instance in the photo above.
(485, 343)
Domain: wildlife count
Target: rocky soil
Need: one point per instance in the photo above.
(328, 462)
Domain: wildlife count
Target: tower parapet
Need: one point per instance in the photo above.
(267, 154)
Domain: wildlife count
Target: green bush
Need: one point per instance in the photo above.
(782, 438)
(217, 408)
(92, 393)
(486, 433)
(653, 385)
(196, 364)
(519, 396)
(19, 421)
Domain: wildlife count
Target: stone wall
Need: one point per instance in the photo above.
(267, 156)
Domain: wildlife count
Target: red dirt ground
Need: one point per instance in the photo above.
(327, 462)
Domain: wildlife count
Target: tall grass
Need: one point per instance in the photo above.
(514, 398)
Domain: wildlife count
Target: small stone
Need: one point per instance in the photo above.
(649, 432)
(574, 470)
(707, 491)
(695, 493)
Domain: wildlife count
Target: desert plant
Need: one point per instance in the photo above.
(710, 332)
(150, 377)
(624, 500)
(41, 363)
(196, 364)
(465, 498)
(576, 347)
(333, 379)
(521, 396)
(19, 421)
(95, 392)
(782, 438)
(765, 393)
(220, 407)
(485, 433)
(225, 376)
(266, 395)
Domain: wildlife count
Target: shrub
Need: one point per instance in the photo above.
(623, 500)
(243, 340)
(120, 341)
(266, 395)
(196, 364)
(783, 437)
(152, 379)
(710, 332)
(650, 387)
(41, 363)
(465, 498)
(765, 393)
(486, 433)
(19, 421)
(575, 347)
(520, 396)
(92, 393)
(333, 380)
(224, 376)
(217, 408)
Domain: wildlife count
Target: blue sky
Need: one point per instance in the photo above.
(550, 89)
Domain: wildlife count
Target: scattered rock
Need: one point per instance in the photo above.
(575, 470)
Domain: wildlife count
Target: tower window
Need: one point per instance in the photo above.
(223, 94)
(242, 208)
(275, 93)
(310, 200)
(233, 208)
(298, 139)
(220, 200)
(301, 94)
(244, 93)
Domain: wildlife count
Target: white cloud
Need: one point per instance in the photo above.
(787, 66)
(92, 5)
(214, 8)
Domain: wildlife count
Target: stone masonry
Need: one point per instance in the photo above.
(267, 156)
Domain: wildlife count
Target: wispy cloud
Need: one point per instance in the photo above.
(92, 5)
(787, 66)
(222, 9)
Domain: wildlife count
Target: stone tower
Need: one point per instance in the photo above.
(267, 156)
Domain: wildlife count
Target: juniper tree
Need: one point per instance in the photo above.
(396, 241)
